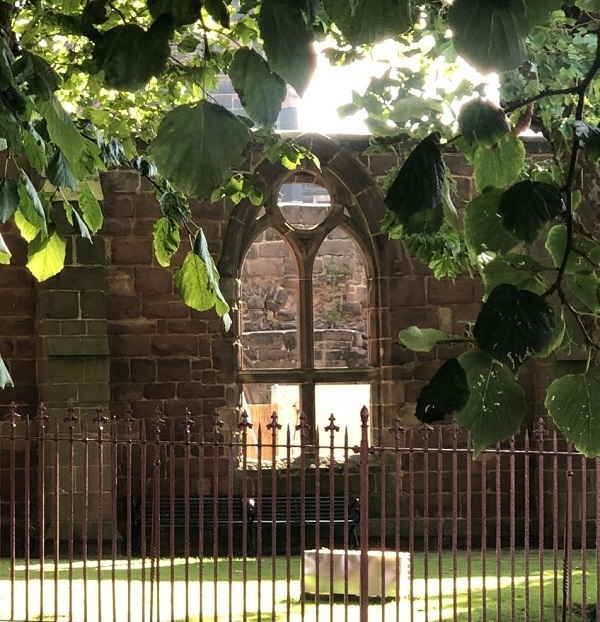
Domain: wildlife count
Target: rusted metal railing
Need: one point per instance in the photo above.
(108, 517)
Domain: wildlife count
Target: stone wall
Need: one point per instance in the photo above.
(111, 331)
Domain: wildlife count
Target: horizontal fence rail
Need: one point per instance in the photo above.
(107, 518)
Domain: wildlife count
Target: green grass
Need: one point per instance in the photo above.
(447, 594)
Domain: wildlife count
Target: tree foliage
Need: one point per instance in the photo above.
(81, 80)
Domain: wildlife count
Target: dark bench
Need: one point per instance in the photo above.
(310, 510)
(180, 512)
(212, 512)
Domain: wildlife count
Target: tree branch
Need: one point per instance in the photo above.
(580, 89)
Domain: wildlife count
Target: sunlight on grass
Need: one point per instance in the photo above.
(124, 591)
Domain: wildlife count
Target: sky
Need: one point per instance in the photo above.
(332, 86)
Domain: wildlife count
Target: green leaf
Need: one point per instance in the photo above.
(5, 253)
(60, 128)
(28, 231)
(481, 121)
(175, 208)
(513, 325)
(197, 145)
(260, 90)
(590, 137)
(59, 171)
(35, 149)
(90, 208)
(194, 284)
(201, 251)
(521, 271)
(166, 240)
(89, 162)
(46, 256)
(527, 206)
(417, 193)
(38, 73)
(584, 258)
(489, 34)
(572, 402)
(496, 405)
(483, 225)
(30, 204)
(5, 379)
(288, 42)
(183, 11)
(130, 56)
(10, 129)
(425, 339)
(584, 286)
(447, 392)
(369, 21)
(80, 226)
(500, 164)
(538, 11)
(218, 10)
(9, 199)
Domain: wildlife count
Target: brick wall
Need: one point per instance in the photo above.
(111, 331)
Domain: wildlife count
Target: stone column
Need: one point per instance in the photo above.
(74, 370)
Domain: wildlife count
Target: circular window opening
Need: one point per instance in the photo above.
(304, 203)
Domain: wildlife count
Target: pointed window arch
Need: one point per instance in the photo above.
(306, 267)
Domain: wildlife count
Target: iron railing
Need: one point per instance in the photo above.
(112, 518)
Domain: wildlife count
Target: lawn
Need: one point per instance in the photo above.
(116, 591)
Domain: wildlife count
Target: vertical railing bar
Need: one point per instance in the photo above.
(171, 457)
(188, 423)
(12, 508)
(128, 501)
(527, 518)
(539, 432)
(411, 517)
(346, 521)
(484, 533)
(498, 492)
(469, 527)
(201, 507)
(454, 432)
(382, 524)
(143, 511)
(567, 596)
(332, 431)
(71, 419)
(218, 424)
(56, 530)
(274, 427)
(317, 458)
(397, 430)
(426, 431)
(583, 463)
(288, 527)
(28, 535)
(440, 522)
(259, 513)
(302, 429)
(512, 518)
(364, 515)
(41, 418)
(555, 516)
(100, 418)
(597, 534)
(86, 515)
(243, 425)
(114, 534)
(230, 534)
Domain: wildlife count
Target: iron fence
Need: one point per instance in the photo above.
(113, 518)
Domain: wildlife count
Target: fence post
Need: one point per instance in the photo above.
(364, 515)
